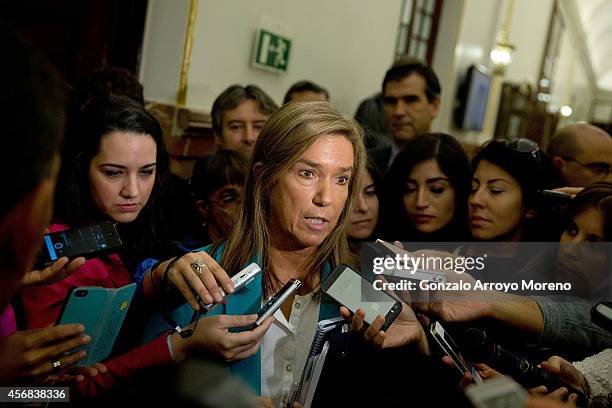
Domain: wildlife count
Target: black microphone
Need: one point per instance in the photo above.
(479, 347)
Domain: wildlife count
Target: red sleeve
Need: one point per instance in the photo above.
(122, 368)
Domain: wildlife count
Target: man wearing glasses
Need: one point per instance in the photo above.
(582, 153)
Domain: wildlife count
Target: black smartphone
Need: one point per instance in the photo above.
(601, 315)
(555, 197)
(89, 242)
(350, 289)
(276, 301)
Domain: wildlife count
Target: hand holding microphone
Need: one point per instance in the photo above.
(556, 372)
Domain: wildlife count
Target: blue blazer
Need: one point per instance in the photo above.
(247, 301)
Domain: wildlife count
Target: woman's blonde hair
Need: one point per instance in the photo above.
(287, 135)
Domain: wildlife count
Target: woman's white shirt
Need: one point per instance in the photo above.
(284, 347)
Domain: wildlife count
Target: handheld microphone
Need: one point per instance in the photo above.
(601, 315)
(477, 346)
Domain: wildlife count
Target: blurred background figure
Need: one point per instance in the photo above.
(306, 91)
(582, 153)
(583, 259)
(217, 184)
(364, 218)
(238, 114)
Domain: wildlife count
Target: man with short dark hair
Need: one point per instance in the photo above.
(410, 102)
(306, 91)
(582, 153)
(411, 97)
(238, 114)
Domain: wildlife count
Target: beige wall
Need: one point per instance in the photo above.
(530, 20)
(570, 84)
(346, 46)
(162, 49)
(343, 45)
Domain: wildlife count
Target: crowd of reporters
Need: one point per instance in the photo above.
(296, 189)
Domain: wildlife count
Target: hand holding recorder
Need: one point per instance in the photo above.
(195, 274)
(212, 334)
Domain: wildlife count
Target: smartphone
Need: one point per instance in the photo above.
(391, 251)
(276, 301)
(101, 311)
(240, 280)
(448, 346)
(89, 242)
(601, 315)
(350, 289)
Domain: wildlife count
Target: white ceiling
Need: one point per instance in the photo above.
(596, 17)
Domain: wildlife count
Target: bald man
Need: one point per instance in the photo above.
(582, 153)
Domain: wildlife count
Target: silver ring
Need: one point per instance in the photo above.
(57, 365)
(197, 267)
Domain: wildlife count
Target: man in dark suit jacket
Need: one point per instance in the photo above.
(410, 102)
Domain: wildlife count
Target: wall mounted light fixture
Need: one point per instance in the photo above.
(501, 54)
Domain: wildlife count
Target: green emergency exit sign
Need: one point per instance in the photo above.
(271, 51)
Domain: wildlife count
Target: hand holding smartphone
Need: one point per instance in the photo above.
(448, 346)
(88, 242)
(351, 290)
(101, 311)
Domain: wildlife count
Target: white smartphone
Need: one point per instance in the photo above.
(240, 280)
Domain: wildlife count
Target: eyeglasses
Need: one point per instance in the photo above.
(227, 200)
(597, 168)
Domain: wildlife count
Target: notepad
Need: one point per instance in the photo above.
(307, 386)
